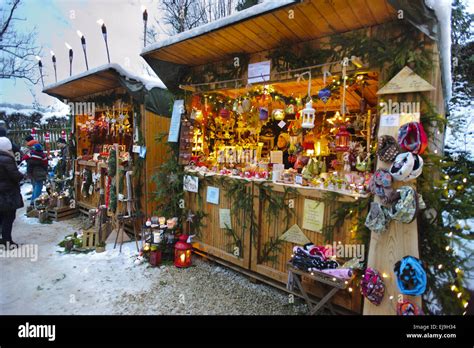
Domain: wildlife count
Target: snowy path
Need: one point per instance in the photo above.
(110, 283)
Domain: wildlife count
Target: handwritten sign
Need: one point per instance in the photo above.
(191, 183)
(276, 157)
(259, 72)
(224, 218)
(313, 215)
(212, 195)
(392, 120)
(295, 235)
(178, 108)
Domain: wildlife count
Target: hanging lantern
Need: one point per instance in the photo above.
(342, 139)
(47, 138)
(324, 95)
(308, 116)
(182, 252)
(278, 114)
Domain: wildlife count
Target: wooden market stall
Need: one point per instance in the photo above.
(113, 107)
(295, 81)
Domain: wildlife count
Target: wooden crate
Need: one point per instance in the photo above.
(90, 238)
(64, 213)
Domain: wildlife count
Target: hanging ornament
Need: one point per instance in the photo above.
(246, 105)
(263, 113)
(278, 114)
(324, 94)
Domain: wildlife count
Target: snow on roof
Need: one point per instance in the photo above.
(148, 81)
(253, 11)
(442, 9)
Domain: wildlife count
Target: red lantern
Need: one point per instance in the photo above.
(33, 133)
(47, 138)
(182, 252)
(342, 139)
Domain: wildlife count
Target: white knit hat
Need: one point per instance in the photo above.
(5, 144)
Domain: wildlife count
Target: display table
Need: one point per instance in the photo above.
(333, 283)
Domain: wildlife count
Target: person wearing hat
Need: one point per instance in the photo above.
(15, 148)
(37, 170)
(10, 195)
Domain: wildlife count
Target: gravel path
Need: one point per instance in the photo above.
(110, 282)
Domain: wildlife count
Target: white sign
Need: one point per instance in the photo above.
(281, 124)
(224, 218)
(259, 72)
(392, 120)
(136, 149)
(212, 195)
(178, 109)
(191, 183)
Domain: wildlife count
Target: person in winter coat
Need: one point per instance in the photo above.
(10, 195)
(36, 169)
(15, 148)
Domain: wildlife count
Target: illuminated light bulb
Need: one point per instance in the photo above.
(312, 273)
(464, 180)
(453, 287)
(450, 234)
(446, 177)
(466, 304)
(346, 282)
(381, 104)
(391, 297)
(384, 275)
(435, 151)
(339, 242)
(182, 258)
(350, 289)
(457, 270)
(334, 279)
(440, 266)
(447, 248)
(464, 313)
(459, 295)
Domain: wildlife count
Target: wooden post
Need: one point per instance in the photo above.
(402, 239)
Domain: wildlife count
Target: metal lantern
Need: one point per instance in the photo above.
(308, 116)
(343, 138)
(182, 252)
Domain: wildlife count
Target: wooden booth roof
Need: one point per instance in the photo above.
(101, 79)
(265, 26)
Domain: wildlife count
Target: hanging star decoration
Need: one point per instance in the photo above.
(190, 217)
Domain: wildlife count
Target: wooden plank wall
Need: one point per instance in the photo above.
(212, 239)
(153, 125)
(275, 227)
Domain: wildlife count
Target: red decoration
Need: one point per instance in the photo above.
(225, 114)
(342, 139)
(155, 257)
(182, 252)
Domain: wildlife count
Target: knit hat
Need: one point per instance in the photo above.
(38, 147)
(5, 144)
(32, 142)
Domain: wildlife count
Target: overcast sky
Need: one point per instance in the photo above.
(57, 21)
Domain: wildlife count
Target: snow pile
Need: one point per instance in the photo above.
(148, 81)
(442, 10)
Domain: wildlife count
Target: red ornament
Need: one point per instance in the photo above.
(182, 252)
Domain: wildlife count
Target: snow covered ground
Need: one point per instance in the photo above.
(110, 282)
